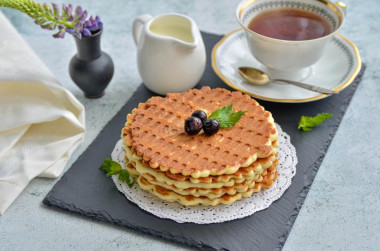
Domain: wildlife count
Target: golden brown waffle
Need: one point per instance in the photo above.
(211, 193)
(155, 134)
(190, 200)
(137, 167)
(200, 169)
(243, 173)
(268, 177)
(266, 181)
(197, 192)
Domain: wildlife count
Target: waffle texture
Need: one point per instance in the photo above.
(199, 169)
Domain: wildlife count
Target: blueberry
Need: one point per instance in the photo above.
(193, 125)
(211, 126)
(200, 114)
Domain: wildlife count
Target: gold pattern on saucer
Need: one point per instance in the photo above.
(232, 85)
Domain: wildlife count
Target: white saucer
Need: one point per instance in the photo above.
(336, 69)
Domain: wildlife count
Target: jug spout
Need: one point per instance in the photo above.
(176, 27)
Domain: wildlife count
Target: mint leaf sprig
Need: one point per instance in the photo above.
(112, 167)
(307, 123)
(226, 117)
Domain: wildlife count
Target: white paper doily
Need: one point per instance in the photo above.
(205, 215)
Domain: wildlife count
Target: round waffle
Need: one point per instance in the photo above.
(197, 192)
(199, 169)
(245, 172)
(265, 180)
(190, 200)
(252, 172)
(155, 133)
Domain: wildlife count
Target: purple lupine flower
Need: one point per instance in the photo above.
(83, 16)
(71, 18)
(94, 27)
(86, 32)
(87, 24)
(79, 25)
(78, 35)
(71, 31)
(60, 34)
(78, 11)
(55, 8)
(93, 24)
(100, 25)
(49, 26)
(69, 9)
(66, 19)
(64, 8)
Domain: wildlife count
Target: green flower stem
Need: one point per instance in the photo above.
(36, 11)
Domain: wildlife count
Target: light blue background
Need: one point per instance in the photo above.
(341, 211)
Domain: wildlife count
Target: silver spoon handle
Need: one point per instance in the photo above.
(307, 86)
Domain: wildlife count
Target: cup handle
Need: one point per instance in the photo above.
(138, 25)
(343, 6)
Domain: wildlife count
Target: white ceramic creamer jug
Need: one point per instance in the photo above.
(171, 55)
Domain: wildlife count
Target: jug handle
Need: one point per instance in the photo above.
(138, 25)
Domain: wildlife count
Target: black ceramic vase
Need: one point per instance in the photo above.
(91, 69)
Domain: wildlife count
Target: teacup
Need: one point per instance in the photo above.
(289, 58)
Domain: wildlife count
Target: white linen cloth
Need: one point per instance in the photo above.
(41, 123)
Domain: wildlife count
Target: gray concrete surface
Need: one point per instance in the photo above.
(341, 211)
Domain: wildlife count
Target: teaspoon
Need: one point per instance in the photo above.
(257, 77)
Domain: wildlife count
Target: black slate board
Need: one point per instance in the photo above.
(95, 196)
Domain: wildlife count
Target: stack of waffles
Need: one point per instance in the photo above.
(198, 169)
